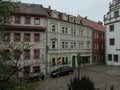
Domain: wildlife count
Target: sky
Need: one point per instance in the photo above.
(93, 9)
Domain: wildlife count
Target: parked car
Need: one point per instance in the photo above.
(35, 76)
(61, 71)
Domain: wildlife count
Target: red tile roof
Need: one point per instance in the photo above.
(96, 25)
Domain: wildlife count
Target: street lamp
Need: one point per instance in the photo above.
(79, 63)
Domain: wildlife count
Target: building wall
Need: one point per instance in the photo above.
(40, 45)
(113, 51)
(59, 36)
(98, 44)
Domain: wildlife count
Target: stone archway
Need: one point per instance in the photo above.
(73, 61)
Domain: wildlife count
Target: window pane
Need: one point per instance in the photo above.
(17, 20)
(116, 58)
(27, 37)
(36, 54)
(109, 57)
(111, 28)
(37, 21)
(27, 20)
(36, 37)
(112, 41)
(7, 37)
(53, 62)
(17, 37)
(27, 54)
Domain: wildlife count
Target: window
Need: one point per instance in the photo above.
(64, 60)
(81, 32)
(80, 45)
(36, 69)
(64, 45)
(7, 37)
(116, 13)
(27, 54)
(53, 62)
(88, 44)
(64, 30)
(53, 44)
(36, 37)
(36, 21)
(71, 45)
(36, 54)
(71, 31)
(88, 33)
(109, 57)
(27, 20)
(53, 28)
(26, 69)
(17, 37)
(111, 41)
(7, 54)
(17, 20)
(74, 46)
(111, 28)
(74, 32)
(17, 54)
(116, 58)
(27, 37)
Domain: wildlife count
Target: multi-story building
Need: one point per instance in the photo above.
(98, 41)
(112, 25)
(67, 36)
(28, 25)
(55, 38)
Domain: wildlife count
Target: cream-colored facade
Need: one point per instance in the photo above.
(65, 39)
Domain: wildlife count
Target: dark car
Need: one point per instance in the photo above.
(61, 71)
(35, 76)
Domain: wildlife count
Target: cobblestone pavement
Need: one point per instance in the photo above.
(103, 76)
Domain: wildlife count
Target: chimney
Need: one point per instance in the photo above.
(49, 7)
(85, 17)
(99, 22)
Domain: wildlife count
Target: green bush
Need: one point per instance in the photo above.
(81, 84)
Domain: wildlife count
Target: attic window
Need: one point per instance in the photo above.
(71, 19)
(81, 21)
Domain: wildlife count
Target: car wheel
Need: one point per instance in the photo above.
(58, 75)
(40, 79)
(70, 73)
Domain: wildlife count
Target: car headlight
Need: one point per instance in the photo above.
(53, 73)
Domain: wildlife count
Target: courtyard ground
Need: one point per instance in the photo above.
(103, 76)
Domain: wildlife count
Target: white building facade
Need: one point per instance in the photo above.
(112, 25)
(66, 37)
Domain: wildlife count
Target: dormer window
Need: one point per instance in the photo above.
(77, 20)
(65, 17)
(55, 14)
(71, 18)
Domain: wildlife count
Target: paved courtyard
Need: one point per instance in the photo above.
(103, 76)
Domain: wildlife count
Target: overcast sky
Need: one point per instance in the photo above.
(93, 9)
